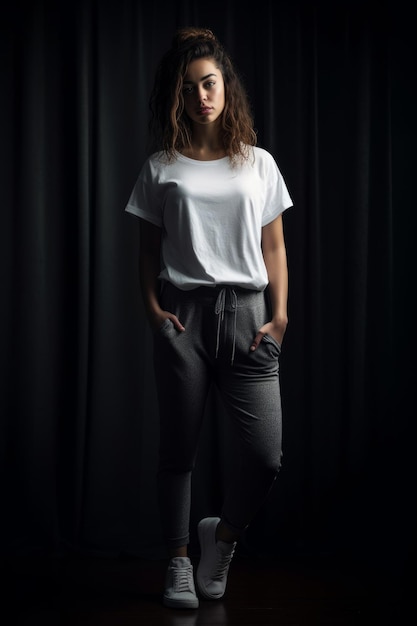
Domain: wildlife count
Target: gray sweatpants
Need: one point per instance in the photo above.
(220, 325)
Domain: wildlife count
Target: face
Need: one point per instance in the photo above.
(203, 92)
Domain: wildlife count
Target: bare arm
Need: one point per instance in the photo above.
(275, 256)
(149, 269)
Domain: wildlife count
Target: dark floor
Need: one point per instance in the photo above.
(260, 592)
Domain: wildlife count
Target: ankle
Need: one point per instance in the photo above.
(225, 534)
(182, 551)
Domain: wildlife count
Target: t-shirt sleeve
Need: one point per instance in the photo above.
(277, 198)
(144, 201)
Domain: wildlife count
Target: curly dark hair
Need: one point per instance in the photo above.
(170, 129)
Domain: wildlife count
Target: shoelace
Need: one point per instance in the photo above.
(183, 579)
(222, 564)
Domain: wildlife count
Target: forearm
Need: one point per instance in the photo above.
(276, 264)
(275, 258)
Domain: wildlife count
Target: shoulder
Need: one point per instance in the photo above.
(157, 160)
(153, 166)
(263, 161)
(256, 155)
(262, 155)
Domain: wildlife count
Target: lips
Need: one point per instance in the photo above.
(204, 110)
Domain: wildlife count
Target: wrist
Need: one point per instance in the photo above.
(280, 320)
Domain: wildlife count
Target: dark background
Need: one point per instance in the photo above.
(332, 88)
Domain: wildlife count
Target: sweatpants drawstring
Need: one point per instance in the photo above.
(234, 306)
(219, 310)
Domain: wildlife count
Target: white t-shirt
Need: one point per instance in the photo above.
(212, 216)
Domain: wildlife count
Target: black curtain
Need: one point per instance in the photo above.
(332, 91)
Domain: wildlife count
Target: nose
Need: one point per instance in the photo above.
(202, 94)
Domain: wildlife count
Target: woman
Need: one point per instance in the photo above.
(213, 274)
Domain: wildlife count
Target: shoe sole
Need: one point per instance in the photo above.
(180, 604)
(201, 533)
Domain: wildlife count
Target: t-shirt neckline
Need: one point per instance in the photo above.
(182, 157)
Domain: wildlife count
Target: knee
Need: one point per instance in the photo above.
(278, 462)
(271, 464)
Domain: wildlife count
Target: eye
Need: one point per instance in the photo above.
(209, 84)
(187, 90)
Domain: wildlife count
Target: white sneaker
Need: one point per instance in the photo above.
(179, 585)
(214, 561)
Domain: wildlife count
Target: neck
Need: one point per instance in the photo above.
(205, 145)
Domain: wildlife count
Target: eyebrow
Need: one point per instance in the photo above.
(186, 82)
